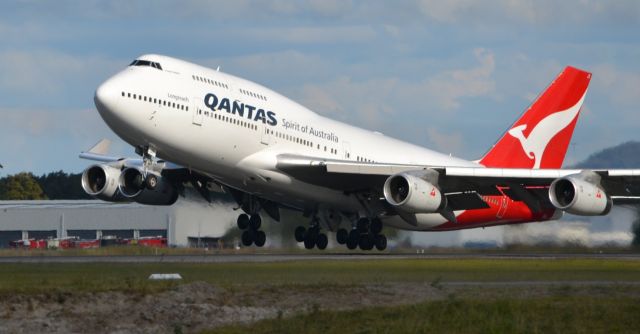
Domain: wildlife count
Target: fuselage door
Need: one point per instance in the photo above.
(198, 113)
(266, 134)
(347, 151)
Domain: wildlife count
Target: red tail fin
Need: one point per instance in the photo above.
(539, 139)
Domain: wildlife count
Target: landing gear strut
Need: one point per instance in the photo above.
(251, 233)
(365, 235)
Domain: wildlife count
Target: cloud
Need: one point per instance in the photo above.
(622, 86)
(449, 87)
(538, 13)
(313, 34)
(445, 142)
(42, 71)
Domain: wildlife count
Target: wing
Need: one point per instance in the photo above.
(176, 174)
(463, 186)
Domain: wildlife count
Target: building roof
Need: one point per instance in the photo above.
(66, 204)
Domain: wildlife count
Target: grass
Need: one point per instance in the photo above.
(539, 315)
(35, 278)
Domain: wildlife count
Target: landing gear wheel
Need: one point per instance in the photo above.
(381, 242)
(151, 182)
(311, 236)
(341, 236)
(255, 222)
(365, 242)
(299, 233)
(322, 241)
(243, 221)
(376, 226)
(260, 238)
(309, 243)
(247, 238)
(363, 225)
(353, 239)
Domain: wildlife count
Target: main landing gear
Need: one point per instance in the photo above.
(312, 237)
(251, 233)
(365, 235)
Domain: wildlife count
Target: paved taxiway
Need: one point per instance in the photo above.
(231, 258)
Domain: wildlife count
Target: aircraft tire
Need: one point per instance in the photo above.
(243, 221)
(341, 236)
(376, 226)
(363, 225)
(352, 244)
(299, 233)
(247, 238)
(151, 182)
(255, 222)
(260, 238)
(381, 242)
(309, 243)
(365, 242)
(322, 241)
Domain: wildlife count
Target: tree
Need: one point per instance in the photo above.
(21, 186)
(60, 185)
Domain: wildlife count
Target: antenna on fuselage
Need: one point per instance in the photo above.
(218, 68)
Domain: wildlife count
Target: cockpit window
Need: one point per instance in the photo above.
(139, 62)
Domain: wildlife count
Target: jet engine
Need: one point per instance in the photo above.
(152, 189)
(577, 195)
(411, 193)
(101, 181)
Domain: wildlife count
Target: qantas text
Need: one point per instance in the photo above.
(241, 109)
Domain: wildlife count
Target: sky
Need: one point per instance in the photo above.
(450, 75)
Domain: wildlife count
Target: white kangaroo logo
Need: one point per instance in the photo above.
(537, 141)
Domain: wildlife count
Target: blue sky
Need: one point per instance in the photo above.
(450, 75)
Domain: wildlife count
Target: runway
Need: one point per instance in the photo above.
(267, 258)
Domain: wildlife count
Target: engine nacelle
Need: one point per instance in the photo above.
(102, 181)
(152, 190)
(410, 193)
(578, 196)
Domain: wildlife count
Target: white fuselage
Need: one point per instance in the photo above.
(238, 146)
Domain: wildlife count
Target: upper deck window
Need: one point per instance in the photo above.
(139, 62)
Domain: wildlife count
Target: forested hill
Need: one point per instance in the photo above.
(625, 155)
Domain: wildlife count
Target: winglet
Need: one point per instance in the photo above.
(99, 152)
(102, 147)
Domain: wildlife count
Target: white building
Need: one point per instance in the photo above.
(184, 223)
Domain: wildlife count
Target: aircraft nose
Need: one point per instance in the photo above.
(106, 97)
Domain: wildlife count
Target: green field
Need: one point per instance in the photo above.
(352, 296)
(466, 315)
(34, 278)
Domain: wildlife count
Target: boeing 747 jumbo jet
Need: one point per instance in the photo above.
(199, 127)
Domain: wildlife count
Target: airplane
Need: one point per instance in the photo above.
(193, 126)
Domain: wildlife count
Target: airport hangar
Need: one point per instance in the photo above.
(195, 224)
